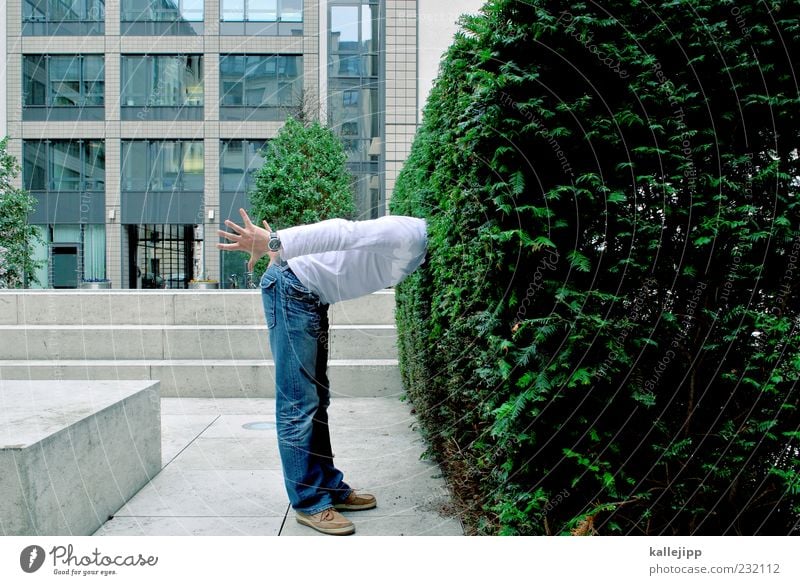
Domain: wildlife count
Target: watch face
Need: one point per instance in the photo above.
(274, 244)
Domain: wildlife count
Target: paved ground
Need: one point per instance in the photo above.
(220, 478)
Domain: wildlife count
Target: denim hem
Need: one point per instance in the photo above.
(346, 495)
(316, 509)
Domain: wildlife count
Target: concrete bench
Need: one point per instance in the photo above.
(74, 452)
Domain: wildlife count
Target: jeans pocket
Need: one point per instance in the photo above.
(299, 292)
(268, 294)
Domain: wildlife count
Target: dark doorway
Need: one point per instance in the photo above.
(163, 255)
(64, 265)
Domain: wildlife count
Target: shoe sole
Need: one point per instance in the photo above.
(354, 507)
(343, 531)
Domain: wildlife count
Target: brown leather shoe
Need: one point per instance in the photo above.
(328, 522)
(357, 502)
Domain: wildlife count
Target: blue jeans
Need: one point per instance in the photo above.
(298, 336)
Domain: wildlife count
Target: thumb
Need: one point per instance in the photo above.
(266, 226)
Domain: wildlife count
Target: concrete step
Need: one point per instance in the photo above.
(71, 454)
(137, 342)
(210, 378)
(169, 307)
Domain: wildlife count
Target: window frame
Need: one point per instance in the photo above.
(247, 181)
(44, 61)
(280, 65)
(154, 152)
(246, 11)
(86, 182)
(88, 13)
(152, 68)
(154, 7)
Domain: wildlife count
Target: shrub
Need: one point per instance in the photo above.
(304, 179)
(604, 338)
(16, 236)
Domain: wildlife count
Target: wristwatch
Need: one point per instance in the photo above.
(274, 243)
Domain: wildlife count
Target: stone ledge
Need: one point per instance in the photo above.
(73, 452)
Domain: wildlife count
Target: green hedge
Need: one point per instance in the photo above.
(604, 338)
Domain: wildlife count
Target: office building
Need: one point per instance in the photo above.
(139, 124)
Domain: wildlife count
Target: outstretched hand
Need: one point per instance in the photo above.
(248, 238)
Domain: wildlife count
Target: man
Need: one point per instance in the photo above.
(312, 266)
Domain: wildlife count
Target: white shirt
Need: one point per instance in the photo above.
(340, 259)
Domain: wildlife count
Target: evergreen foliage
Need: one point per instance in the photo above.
(16, 235)
(605, 337)
(304, 179)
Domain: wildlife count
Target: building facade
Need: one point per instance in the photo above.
(139, 123)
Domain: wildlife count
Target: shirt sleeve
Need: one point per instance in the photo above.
(393, 236)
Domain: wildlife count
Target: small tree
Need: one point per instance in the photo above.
(304, 179)
(16, 235)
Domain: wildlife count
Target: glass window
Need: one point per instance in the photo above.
(73, 80)
(94, 251)
(261, 80)
(162, 10)
(231, 69)
(65, 80)
(344, 28)
(192, 10)
(232, 163)
(136, 10)
(292, 10)
(134, 165)
(239, 162)
(193, 165)
(35, 166)
(63, 10)
(233, 10)
(34, 10)
(94, 80)
(95, 10)
(95, 165)
(350, 97)
(262, 10)
(255, 157)
(35, 80)
(162, 80)
(193, 80)
(166, 165)
(369, 28)
(64, 165)
(135, 81)
(346, 65)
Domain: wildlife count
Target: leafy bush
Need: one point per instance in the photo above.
(605, 338)
(16, 236)
(304, 179)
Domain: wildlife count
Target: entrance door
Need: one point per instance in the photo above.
(65, 266)
(164, 255)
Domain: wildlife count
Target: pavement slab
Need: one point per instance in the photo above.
(222, 472)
